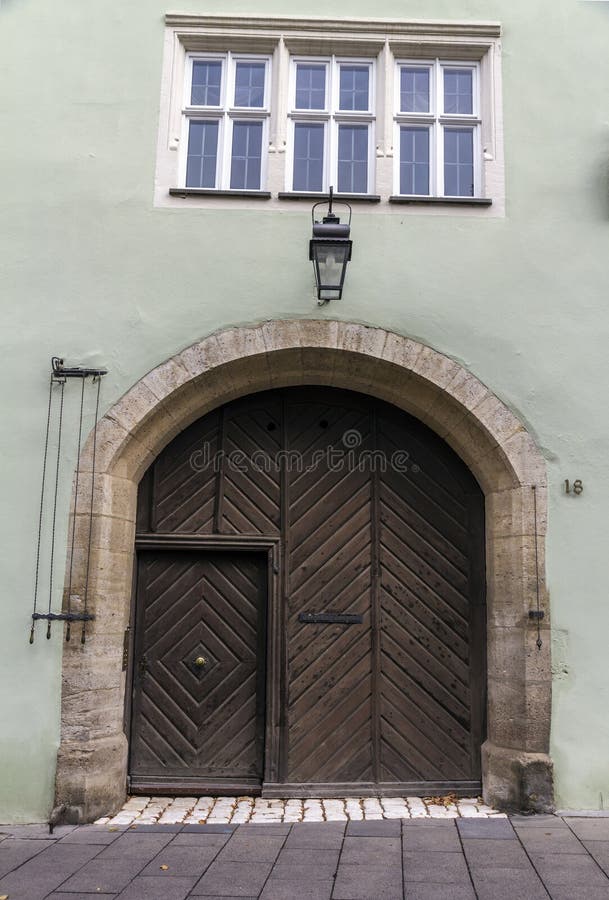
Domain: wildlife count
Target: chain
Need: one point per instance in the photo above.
(82, 400)
(59, 430)
(44, 471)
(539, 642)
(84, 624)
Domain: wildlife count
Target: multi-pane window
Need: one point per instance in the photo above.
(437, 119)
(331, 121)
(226, 113)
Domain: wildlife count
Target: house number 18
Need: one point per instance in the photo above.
(576, 488)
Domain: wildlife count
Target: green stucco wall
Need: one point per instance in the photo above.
(91, 271)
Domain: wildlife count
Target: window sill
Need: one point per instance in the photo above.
(350, 198)
(448, 201)
(212, 192)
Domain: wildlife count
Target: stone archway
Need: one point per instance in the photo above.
(517, 771)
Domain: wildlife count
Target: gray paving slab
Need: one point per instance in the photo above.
(510, 884)
(303, 889)
(71, 896)
(436, 868)
(256, 849)
(374, 828)
(91, 834)
(46, 871)
(36, 832)
(482, 854)
(369, 882)
(187, 861)
(198, 839)
(598, 850)
(233, 879)
(431, 839)
(568, 868)
(15, 851)
(541, 840)
(538, 821)
(316, 837)
(589, 829)
(364, 851)
(104, 876)
(487, 829)
(144, 846)
(578, 892)
(415, 891)
(319, 864)
(145, 888)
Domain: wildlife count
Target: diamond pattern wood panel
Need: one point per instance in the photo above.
(199, 723)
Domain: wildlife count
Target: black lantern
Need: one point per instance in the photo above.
(330, 251)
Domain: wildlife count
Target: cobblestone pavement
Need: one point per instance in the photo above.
(402, 859)
(239, 810)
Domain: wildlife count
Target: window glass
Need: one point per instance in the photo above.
(414, 160)
(459, 162)
(310, 86)
(206, 80)
(458, 91)
(308, 156)
(414, 90)
(354, 87)
(249, 84)
(202, 154)
(246, 156)
(353, 159)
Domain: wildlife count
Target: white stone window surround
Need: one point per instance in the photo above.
(281, 38)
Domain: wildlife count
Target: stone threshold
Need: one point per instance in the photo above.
(256, 810)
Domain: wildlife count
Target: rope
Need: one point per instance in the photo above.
(63, 384)
(84, 624)
(82, 400)
(44, 471)
(539, 642)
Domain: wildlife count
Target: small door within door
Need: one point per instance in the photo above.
(198, 685)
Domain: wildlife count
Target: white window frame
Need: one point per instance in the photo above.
(226, 114)
(331, 116)
(438, 122)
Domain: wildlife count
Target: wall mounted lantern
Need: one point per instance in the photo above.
(330, 251)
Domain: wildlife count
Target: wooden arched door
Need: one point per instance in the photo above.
(323, 553)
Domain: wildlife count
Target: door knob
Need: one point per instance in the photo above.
(200, 662)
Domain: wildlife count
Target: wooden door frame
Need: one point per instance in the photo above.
(274, 637)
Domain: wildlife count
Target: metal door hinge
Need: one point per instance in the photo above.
(126, 637)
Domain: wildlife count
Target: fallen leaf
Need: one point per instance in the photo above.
(164, 868)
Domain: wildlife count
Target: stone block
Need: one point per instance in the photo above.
(434, 367)
(164, 380)
(515, 781)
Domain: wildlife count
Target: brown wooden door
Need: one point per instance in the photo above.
(198, 700)
(376, 519)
